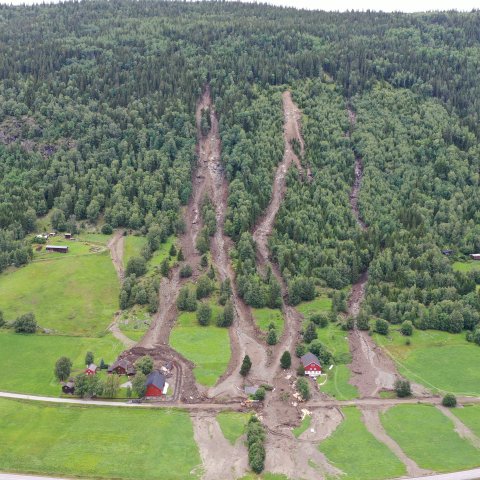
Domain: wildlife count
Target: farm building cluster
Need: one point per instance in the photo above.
(156, 384)
(43, 237)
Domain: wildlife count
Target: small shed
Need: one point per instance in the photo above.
(156, 384)
(91, 369)
(68, 387)
(122, 367)
(68, 236)
(251, 390)
(448, 252)
(57, 248)
(311, 365)
(475, 256)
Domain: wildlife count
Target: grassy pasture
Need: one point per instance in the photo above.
(133, 245)
(355, 451)
(318, 305)
(470, 416)
(29, 360)
(97, 442)
(232, 425)
(208, 347)
(74, 293)
(428, 437)
(265, 316)
(435, 359)
(337, 385)
(466, 266)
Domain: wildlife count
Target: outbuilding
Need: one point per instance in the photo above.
(57, 248)
(156, 385)
(91, 369)
(122, 367)
(68, 388)
(68, 236)
(311, 365)
(475, 256)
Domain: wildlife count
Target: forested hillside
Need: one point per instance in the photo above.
(97, 126)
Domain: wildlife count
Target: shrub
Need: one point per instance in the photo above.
(362, 321)
(89, 358)
(180, 256)
(164, 268)
(300, 371)
(260, 394)
(2, 319)
(186, 271)
(204, 287)
(204, 261)
(320, 320)
(310, 333)
(225, 318)
(381, 326)
(300, 350)
(145, 364)
(246, 366)
(272, 337)
(204, 314)
(321, 351)
(107, 229)
(449, 400)
(407, 328)
(476, 336)
(303, 388)
(138, 384)
(255, 440)
(286, 360)
(136, 266)
(88, 385)
(25, 323)
(402, 388)
(173, 251)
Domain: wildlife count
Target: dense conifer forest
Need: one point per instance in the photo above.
(97, 103)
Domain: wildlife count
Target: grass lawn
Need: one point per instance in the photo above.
(337, 385)
(161, 254)
(428, 437)
(96, 442)
(132, 247)
(29, 360)
(435, 359)
(265, 316)
(336, 340)
(355, 451)
(318, 305)
(307, 420)
(207, 347)
(94, 238)
(232, 425)
(466, 266)
(74, 293)
(470, 416)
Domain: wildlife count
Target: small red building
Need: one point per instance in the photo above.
(156, 385)
(122, 367)
(311, 365)
(475, 256)
(56, 248)
(91, 369)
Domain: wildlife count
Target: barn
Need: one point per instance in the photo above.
(56, 248)
(156, 386)
(68, 388)
(91, 369)
(311, 365)
(475, 256)
(122, 367)
(68, 236)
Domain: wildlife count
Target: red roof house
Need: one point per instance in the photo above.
(156, 385)
(311, 365)
(122, 367)
(91, 369)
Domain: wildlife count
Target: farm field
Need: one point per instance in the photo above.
(208, 347)
(337, 385)
(74, 293)
(428, 437)
(29, 360)
(77, 441)
(428, 360)
(232, 425)
(355, 451)
(470, 416)
(265, 316)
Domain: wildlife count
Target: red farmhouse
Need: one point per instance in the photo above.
(311, 365)
(156, 385)
(91, 369)
(122, 367)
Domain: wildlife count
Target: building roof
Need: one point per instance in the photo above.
(69, 384)
(252, 390)
(309, 358)
(157, 379)
(123, 363)
(57, 247)
(92, 367)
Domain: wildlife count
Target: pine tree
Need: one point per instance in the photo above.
(246, 366)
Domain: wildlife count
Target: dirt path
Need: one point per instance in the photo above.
(462, 430)
(371, 418)
(116, 247)
(220, 459)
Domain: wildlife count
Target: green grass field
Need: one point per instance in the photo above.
(470, 416)
(304, 425)
(466, 266)
(99, 238)
(97, 442)
(337, 385)
(232, 425)
(207, 347)
(336, 340)
(428, 437)
(355, 451)
(320, 304)
(74, 293)
(133, 245)
(29, 360)
(265, 316)
(435, 359)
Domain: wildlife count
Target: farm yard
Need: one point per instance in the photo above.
(434, 359)
(428, 437)
(29, 359)
(71, 294)
(77, 441)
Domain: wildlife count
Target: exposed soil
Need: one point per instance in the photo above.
(371, 418)
(116, 247)
(462, 430)
(220, 459)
